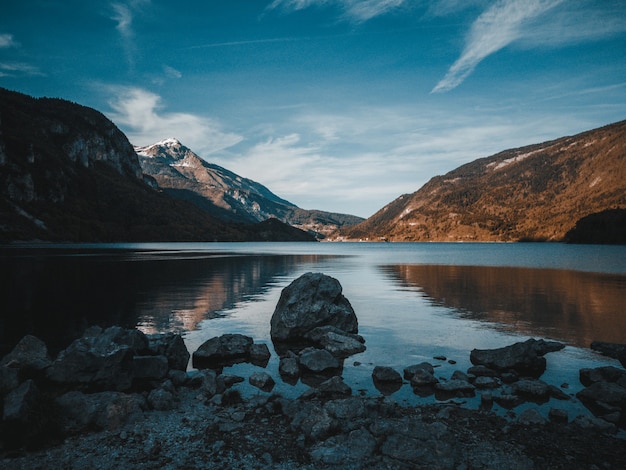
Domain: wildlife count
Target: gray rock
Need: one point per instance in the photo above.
(259, 354)
(531, 416)
(601, 374)
(386, 374)
(594, 424)
(20, 405)
(526, 358)
(344, 450)
(558, 415)
(318, 361)
(614, 350)
(136, 340)
(458, 375)
(313, 421)
(604, 392)
(222, 351)
(346, 410)
(556, 392)
(262, 380)
(310, 301)
(150, 367)
(483, 382)
(332, 388)
(410, 371)
(341, 345)
(289, 368)
(172, 346)
(104, 410)
(533, 389)
(96, 362)
(30, 354)
(423, 378)
(161, 399)
(9, 380)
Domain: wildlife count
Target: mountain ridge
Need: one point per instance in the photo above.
(181, 173)
(536, 192)
(67, 173)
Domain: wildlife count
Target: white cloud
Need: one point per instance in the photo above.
(496, 28)
(7, 40)
(141, 115)
(354, 10)
(13, 69)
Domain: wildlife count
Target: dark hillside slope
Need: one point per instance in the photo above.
(67, 173)
(537, 192)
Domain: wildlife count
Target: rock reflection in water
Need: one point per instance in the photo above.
(572, 306)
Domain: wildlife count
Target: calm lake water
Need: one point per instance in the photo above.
(414, 301)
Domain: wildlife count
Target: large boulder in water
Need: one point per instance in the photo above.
(311, 301)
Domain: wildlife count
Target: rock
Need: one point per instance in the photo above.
(410, 371)
(483, 382)
(178, 377)
(161, 399)
(288, 368)
(614, 350)
(9, 380)
(423, 378)
(313, 421)
(456, 387)
(172, 346)
(458, 375)
(210, 384)
(603, 393)
(386, 374)
(508, 401)
(601, 374)
(556, 392)
(311, 301)
(533, 389)
(557, 415)
(526, 358)
(136, 340)
(594, 424)
(222, 351)
(531, 416)
(336, 342)
(332, 388)
(96, 362)
(346, 410)
(386, 380)
(29, 356)
(343, 450)
(20, 408)
(104, 410)
(318, 361)
(259, 354)
(262, 380)
(150, 367)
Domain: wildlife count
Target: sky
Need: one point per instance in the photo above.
(337, 105)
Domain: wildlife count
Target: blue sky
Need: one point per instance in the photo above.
(339, 105)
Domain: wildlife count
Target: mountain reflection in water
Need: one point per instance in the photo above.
(571, 306)
(56, 295)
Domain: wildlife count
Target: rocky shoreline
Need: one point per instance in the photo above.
(119, 398)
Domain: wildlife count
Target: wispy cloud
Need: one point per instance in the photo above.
(141, 115)
(353, 10)
(7, 40)
(14, 69)
(496, 28)
(123, 14)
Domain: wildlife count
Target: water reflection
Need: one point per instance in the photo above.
(572, 306)
(56, 295)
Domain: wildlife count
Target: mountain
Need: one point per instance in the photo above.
(181, 173)
(538, 192)
(67, 173)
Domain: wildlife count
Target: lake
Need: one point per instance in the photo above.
(414, 301)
